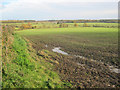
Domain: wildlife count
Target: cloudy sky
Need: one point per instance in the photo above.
(58, 9)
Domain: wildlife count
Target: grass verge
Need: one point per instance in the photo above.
(23, 68)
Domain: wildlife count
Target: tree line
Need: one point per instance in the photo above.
(16, 21)
(64, 21)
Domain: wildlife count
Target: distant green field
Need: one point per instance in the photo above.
(51, 25)
(93, 43)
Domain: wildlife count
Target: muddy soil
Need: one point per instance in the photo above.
(81, 72)
(85, 73)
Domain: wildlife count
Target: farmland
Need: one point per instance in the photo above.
(59, 44)
(91, 49)
(93, 43)
(98, 44)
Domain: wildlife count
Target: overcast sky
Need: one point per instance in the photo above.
(58, 9)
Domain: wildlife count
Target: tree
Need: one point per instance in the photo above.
(58, 22)
(85, 25)
(75, 25)
(63, 25)
(26, 26)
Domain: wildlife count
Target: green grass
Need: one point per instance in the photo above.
(51, 25)
(23, 68)
(67, 31)
(93, 43)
